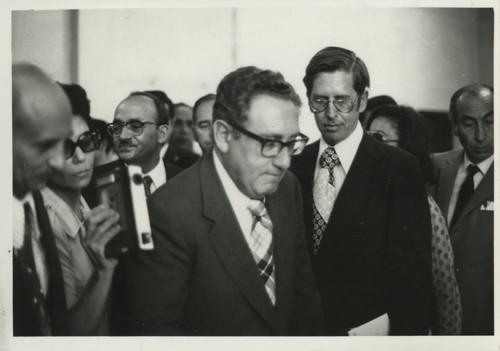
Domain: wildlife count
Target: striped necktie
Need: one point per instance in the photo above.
(147, 185)
(261, 245)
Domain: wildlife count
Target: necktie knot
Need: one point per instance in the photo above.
(329, 158)
(147, 180)
(257, 208)
(472, 169)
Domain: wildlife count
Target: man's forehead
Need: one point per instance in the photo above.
(477, 102)
(136, 105)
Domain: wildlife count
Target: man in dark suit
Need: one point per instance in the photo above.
(365, 211)
(41, 121)
(139, 129)
(180, 146)
(230, 255)
(465, 195)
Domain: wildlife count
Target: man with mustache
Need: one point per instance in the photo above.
(465, 195)
(230, 256)
(365, 211)
(139, 129)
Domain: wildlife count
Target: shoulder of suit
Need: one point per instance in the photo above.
(441, 158)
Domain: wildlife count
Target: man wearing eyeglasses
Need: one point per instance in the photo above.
(139, 129)
(230, 256)
(365, 211)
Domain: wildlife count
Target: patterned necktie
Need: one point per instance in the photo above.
(261, 245)
(323, 195)
(31, 279)
(465, 193)
(147, 184)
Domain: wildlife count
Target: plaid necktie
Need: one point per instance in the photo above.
(261, 245)
(323, 195)
(465, 193)
(147, 184)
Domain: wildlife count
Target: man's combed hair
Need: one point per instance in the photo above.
(469, 89)
(238, 88)
(332, 59)
(161, 109)
(204, 98)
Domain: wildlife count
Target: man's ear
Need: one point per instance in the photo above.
(363, 101)
(163, 133)
(223, 133)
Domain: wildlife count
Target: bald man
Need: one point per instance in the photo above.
(41, 121)
(465, 196)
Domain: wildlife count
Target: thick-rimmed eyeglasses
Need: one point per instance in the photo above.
(135, 127)
(319, 104)
(87, 142)
(272, 147)
(381, 137)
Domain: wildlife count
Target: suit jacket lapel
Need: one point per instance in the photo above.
(482, 192)
(447, 175)
(360, 180)
(230, 244)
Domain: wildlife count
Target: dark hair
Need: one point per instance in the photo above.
(413, 133)
(332, 59)
(238, 88)
(469, 89)
(80, 104)
(204, 98)
(165, 99)
(161, 109)
(180, 104)
(101, 127)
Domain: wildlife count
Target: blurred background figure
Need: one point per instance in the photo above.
(372, 104)
(202, 121)
(41, 121)
(465, 195)
(180, 149)
(403, 127)
(80, 233)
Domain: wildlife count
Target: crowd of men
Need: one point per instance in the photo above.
(262, 234)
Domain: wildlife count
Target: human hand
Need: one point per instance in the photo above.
(102, 224)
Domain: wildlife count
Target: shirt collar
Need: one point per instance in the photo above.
(236, 197)
(346, 149)
(483, 166)
(158, 174)
(69, 220)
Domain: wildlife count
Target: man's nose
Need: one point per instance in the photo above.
(480, 133)
(282, 159)
(331, 111)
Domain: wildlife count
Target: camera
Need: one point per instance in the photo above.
(120, 187)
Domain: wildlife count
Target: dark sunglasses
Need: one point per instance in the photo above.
(87, 142)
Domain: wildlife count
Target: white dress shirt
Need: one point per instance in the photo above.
(237, 199)
(39, 254)
(483, 166)
(346, 150)
(158, 175)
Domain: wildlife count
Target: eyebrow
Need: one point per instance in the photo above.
(335, 96)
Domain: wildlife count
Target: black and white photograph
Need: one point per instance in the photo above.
(245, 175)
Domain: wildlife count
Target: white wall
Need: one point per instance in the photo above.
(419, 56)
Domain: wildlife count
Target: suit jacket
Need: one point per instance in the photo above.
(28, 317)
(375, 256)
(472, 241)
(179, 158)
(201, 278)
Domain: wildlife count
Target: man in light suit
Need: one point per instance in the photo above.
(465, 195)
(365, 211)
(41, 121)
(219, 267)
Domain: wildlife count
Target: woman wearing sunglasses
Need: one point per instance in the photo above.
(81, 234)
(403, 127)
